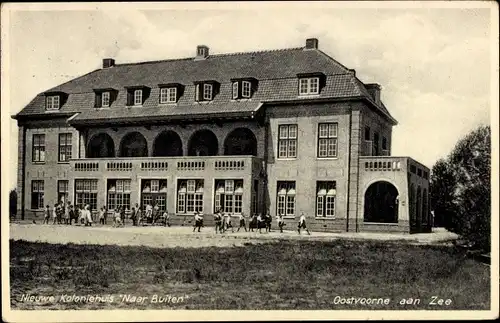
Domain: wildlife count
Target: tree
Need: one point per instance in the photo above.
(442, 187)
(461, 188)
(12, 203)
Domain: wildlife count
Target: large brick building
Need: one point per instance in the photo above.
(285, 131)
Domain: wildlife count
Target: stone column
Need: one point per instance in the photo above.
(353, 207)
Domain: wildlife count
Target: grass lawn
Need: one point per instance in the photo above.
(280, 275)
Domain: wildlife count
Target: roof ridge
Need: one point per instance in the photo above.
(215, 55)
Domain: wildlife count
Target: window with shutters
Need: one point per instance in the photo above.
(243, 88)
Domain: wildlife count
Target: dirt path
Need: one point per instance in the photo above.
(184, 237)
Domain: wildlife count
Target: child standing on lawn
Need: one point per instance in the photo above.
(302, 223)
(46, 215)
(281, 222)
(198, 221)
(241, 217)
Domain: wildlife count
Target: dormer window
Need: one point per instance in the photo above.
(208, 92)
(104, 97)
(310, 84)
(205, 91)
(170, 93)
(53, 102)
(137, 95)
(243, 88)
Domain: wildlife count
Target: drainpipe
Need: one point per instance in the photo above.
(349, 170)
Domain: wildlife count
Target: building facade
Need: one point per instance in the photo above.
(280, 131)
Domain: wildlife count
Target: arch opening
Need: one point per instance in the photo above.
(134, 144)
(203, 143)
(240, 141)
(167, 144)
(101, 146)
(381, 203)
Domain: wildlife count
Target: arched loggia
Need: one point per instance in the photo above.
(203, 143)
(167, 143)
(101, 146)
(134, 144)
(381, 203)
(240, 141)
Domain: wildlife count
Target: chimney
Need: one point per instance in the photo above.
(352, 71)
(311, 43)
(374, 90)
(201, 52)
(108, 62)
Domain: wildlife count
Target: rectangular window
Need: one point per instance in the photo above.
(246, 90)
(190, 196)
(384, 143)
(168, 95)
(286, 198)
(37, 194)
(368, 135)
(118, 194)
(229, 196)
(65, 147)
(86, 193)
(235, 90)
(325, 199)
(309, 86)
(138, 97)
(327, 140)
(287, 141)
(38, 148)
(207, 92)
(105, 99)
(52, 102)
(62, 191)
(154, 192)
(376, 139)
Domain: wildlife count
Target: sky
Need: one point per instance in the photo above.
(433, 61)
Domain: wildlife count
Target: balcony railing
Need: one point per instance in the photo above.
(383, 163)
(168, 164)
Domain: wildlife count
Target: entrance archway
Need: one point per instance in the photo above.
(381, 203)
(167, 143)
(203, 143)
(101, 146)
(240, 141)
(134, 145)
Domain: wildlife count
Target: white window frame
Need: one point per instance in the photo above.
(207, 92)
(38, 149)
(138, 97)
(191, 199)
(286, 198)
(246, 89)
(53, 102)
(105, 99)
(235, 90)
(38, 188)
(306, 86)
(287, 141)
(326, 197)
(166, 94)
(328, 140)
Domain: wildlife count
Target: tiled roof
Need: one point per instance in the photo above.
(275, 70)
(166, 112)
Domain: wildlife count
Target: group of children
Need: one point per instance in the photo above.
(65, 213)
(223, 222)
